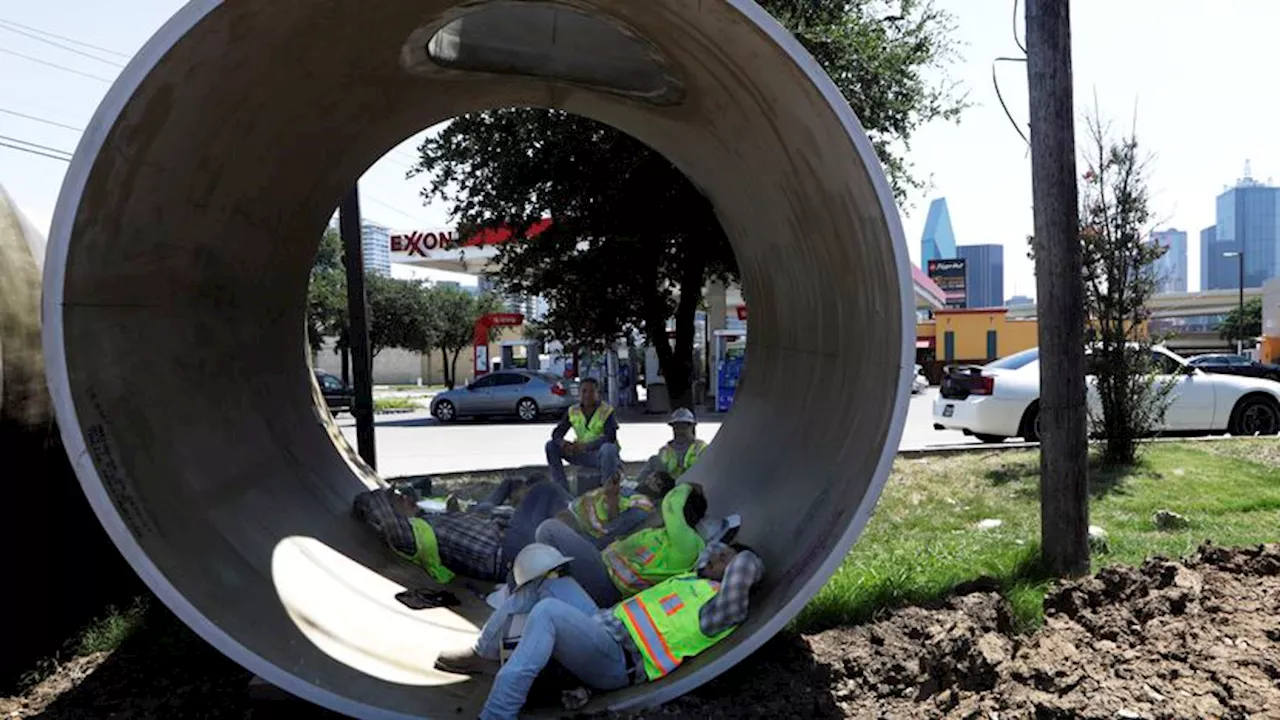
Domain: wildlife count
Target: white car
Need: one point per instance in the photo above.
(1002, 400)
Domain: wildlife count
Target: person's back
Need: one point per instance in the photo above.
(649, 556)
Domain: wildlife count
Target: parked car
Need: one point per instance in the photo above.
(1229, 364)
(337, 394)
(919, 383)
(527, 394)
(1001, 400)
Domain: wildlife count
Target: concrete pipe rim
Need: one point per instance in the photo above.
(91, 146)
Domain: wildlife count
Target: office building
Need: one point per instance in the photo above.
(375, 241)
(1171, 269)
(1019, 301)
(938, 241)
(984, 275)
(1248, 218)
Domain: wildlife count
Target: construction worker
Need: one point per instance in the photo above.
(640, 560)
(477, 545)
(537, 574)
(595, 438)
(617, 509)
(678, 455)
(639, 640)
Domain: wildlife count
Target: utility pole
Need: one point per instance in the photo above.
(358, 326)
(1064, 446)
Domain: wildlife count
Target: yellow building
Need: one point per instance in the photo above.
(970, 336)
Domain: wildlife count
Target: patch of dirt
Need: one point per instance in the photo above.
(1197, 638)
(1193, 639)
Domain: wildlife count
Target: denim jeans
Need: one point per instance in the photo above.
(576, 640)
(543, 502)
(587, 567)
(605, 459)
(564, 589)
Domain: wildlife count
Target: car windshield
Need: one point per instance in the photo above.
(1016, 361)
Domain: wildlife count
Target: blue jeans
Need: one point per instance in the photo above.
(579, 643)
(543, 502)
(565, 589)
(604, 458)
(587, 567)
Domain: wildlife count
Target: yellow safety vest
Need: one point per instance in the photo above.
(585, 432)
(678, 464)
(663, 621)
(592, 510)
(647, 557)
(426, 554)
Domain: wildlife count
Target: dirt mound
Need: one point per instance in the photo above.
(1192, 639)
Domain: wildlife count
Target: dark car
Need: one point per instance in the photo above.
(1229, 364)
(337, 395)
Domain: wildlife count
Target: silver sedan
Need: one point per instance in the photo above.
(526, 394)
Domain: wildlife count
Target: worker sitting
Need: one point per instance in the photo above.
(677, 456)
(595, 438)
(640, 560)
(617, 509)
(639, 640)
(477, 545)
(537, 574)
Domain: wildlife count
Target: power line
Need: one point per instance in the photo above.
(46, 41)
(34, 152)
(66, 39)
(35, 145)
(53, 65)
(40, 120)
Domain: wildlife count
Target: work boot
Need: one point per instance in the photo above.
(464, 662)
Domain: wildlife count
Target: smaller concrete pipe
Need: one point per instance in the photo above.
(176, 283)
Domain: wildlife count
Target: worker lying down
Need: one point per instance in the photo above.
(641, 639)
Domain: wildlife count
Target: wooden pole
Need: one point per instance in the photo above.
(358, 324)
(1064, 459)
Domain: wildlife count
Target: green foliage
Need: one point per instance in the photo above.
(1243, 324)
(401, 314)
(634, 242)
(454, 317)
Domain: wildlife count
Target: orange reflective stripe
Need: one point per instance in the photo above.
(654, 645)
(623, 574)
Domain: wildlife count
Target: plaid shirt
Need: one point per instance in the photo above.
(469, 544)
(727, 609)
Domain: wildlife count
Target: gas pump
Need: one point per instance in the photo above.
(730, 355)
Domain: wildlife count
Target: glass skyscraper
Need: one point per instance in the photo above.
(1248, 217)
(375, 241)
(984, 275)
(1171, 268)
(937, 242)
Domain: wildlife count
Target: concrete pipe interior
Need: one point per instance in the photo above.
(176, 281)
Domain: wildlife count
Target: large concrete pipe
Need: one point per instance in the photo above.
(45, 522)
(177, 272)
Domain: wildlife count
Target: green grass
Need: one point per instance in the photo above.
(394, 403)
(921, 542)
(104, 634)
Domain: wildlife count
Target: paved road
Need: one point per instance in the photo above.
(414, 443)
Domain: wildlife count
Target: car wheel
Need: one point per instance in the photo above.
(445, 411)
(1256, 415)
(527, 409)
(1031, 423)
(990, 439)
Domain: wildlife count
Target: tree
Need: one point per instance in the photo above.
(633, 241)
(327, 292)
(1243, 324)
(453, 317)
(400, 314)
(1119, 280)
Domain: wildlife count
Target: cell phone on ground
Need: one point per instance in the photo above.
(423, 598)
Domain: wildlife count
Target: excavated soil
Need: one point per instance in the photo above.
(1198, 638)
(1193, 639)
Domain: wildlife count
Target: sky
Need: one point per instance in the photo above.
(1190, 75)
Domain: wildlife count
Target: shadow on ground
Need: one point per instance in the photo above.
(1104, 479)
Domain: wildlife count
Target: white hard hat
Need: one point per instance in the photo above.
(536, 560)
(682, 415)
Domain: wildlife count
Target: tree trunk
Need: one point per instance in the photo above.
(454, 368)
(448, 369)
(691, 281)
(1064, 468)
(346, 364)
